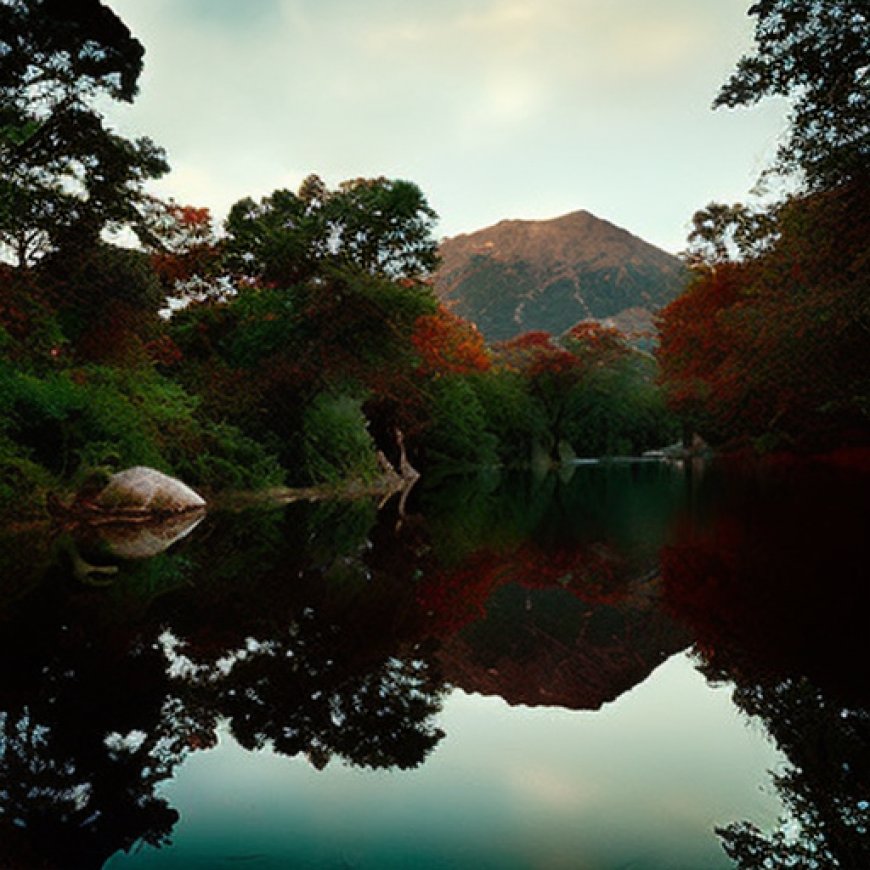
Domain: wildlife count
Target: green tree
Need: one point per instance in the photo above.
(383, 226)
(457, 433)
(64, 175)
(336, 442)
(278, 241)
(723, 233)
(815, 53)
(376, 225)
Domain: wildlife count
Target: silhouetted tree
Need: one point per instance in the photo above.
(65, 175)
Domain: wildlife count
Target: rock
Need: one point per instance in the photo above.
(145, 490)
(142, 541)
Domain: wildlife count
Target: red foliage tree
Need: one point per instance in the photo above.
(185, 251)
(595, 345)
(551, 372)
(775, 348)
(449, 344)
(696, 338)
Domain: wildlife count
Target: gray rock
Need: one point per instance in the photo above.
(147, 490)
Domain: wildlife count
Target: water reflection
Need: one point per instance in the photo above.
(770, 573)
(335, 632)
(130, 541)
(825, 788)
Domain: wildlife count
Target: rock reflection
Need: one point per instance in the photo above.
(146, 540)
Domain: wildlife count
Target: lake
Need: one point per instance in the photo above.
(624, 665)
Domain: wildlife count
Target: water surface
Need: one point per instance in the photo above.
(599, 670)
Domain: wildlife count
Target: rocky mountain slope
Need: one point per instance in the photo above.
(547, 275)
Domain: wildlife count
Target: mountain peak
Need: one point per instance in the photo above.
(520, 275)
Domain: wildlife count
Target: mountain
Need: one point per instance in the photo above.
(545, 647)
(547, 275)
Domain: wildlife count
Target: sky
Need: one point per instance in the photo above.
(495, 108)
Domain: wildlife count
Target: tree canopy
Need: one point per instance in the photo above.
(65, 175)
(722, 233)
(768, 346)
(816, 53)
(377, 225)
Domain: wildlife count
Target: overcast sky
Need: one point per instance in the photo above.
(495, 108)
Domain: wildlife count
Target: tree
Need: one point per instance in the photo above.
(695, 352)
(65, 175)
(447, 343)
(375, 225)
(773, 350)
(383, 226)
(724, 233)
(768, 345)
(279, 241)
(185, 251)
(816, 53)
(552, 373)
(616, 407)
(596, 346)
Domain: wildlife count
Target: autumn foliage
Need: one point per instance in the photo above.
(183, 244)
(452, 598)
(447, 343)
(773, 350)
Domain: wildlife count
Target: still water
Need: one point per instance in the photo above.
(625, 666)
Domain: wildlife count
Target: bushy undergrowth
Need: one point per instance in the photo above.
(336, 444)
(61, 428)
(458, 435)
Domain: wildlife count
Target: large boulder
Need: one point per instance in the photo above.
(145, 490)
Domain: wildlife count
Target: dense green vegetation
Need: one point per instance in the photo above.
(288, 346)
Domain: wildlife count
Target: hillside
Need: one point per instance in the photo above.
(547, 275)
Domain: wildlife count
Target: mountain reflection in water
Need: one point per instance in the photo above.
(331, 631)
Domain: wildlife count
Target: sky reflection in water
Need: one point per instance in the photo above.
(640, 783)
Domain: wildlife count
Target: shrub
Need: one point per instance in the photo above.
(64, 428)
(457, 434)
(511, 414)
(336, 443)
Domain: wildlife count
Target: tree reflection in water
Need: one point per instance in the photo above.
(282, 695)
(276, 626)
(773, 584)
(825, 789)
(81, 755)
(327, 632)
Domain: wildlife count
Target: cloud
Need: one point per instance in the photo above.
(498, 108)
(550, 789)
(565, 39)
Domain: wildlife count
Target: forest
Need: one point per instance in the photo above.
(302, 338)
